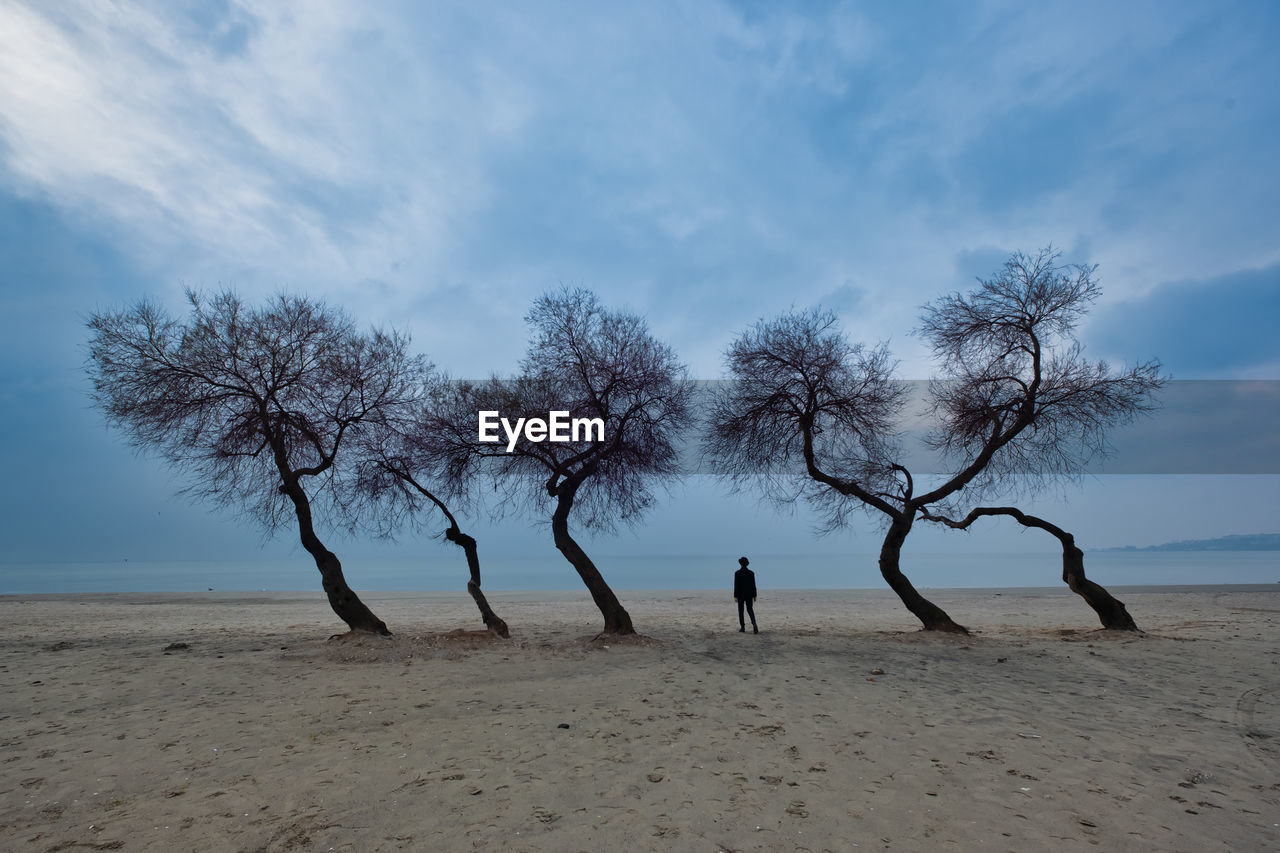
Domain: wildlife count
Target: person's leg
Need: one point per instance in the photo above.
(752, 611)
(742, 623)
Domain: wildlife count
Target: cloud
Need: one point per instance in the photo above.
(435, 166)
(666, 152)
(1222, 327)
(239, 141)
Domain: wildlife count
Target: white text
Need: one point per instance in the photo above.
(558, 427)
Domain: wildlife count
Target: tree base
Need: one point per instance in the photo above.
(376, 629)
(946, 626)
(1129, 627)
(357, 633)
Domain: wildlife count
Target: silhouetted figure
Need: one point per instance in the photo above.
(744, 592)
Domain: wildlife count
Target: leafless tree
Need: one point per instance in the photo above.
(1016, 402)
(593, 363)
(1021, 400)
(408, 464)
(258, 405)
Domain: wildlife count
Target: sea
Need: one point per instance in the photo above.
(445, 571)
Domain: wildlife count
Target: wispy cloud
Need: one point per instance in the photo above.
(266, 155)
(706, 163)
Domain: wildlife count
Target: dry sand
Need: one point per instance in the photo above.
(1036, 732)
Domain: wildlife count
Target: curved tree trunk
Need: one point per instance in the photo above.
(616, 618)
(1111, 610)
(342, 598)
(931, 616)
(468, 545)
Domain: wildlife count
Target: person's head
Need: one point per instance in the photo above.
(742, 561)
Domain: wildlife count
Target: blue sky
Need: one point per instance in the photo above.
(436, 166)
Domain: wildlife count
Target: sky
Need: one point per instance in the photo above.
(437, 166)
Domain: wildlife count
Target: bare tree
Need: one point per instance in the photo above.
(807, 414)
(593, 365)
(1021, 404)
(257, 405)
(1016, 399)
(410, 463)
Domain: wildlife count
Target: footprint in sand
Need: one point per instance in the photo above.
(1258, 716)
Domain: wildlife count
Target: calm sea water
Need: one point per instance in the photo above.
(854, 571)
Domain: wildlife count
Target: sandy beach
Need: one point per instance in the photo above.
(232, 722)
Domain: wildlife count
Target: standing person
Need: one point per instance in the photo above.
(744, 592)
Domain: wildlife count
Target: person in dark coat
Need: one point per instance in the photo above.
(744, 592)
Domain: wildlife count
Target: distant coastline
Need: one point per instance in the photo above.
(1245, 542)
